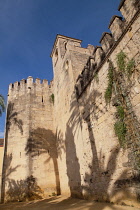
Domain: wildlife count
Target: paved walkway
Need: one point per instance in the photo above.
(61, 203)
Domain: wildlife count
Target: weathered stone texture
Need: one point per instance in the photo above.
(30, 142)
(62, 137)
(108, 163)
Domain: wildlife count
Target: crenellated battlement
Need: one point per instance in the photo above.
(25, 85)
(118, 26)
(129, 8)
(71, 137)
(106, 41)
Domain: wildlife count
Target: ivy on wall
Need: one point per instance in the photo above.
(126, 126)
(109, 89)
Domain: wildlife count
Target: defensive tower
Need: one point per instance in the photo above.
(29, 141)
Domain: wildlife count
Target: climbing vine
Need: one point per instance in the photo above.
(120, 126)
(130, 68)
(126, 126)
(121, 61)
(108, 92)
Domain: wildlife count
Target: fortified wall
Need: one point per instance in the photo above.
(80, 135)
(29, 124)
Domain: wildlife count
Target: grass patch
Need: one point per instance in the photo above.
(120, 131)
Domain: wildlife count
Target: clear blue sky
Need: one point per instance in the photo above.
(28, 29)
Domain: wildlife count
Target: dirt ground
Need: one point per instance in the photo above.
(63, 203)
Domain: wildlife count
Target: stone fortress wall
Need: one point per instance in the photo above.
(111, 166)
(92, 162)
(29, 124)
(64, 140)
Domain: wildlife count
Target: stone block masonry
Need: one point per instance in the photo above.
(60, 138)
(30, 142)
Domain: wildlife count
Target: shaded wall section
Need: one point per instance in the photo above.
(91, 161)
(109, 172)
(68, 60)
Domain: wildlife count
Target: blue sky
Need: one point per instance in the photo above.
(28, 29)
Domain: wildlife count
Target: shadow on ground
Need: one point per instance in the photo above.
(59, 203)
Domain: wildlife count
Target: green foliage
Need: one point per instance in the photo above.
(109, 89)
(2, 104)
(52, 98)
(53, 194)
(123, 65)
(126, 125)
(121, 62)
(130, 68)
(114, 79)
(120, 126)
(108, 94)
(120, 112)
(120, 131)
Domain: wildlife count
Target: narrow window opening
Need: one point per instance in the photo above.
(20, 154)
(42, 99)
(56, 53)
(65, 44)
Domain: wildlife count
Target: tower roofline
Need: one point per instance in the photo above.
(63, 37)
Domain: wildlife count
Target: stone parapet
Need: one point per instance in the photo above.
(128, 8)
(30, 84)
(116, 26)
(106, 41)
(119, 26)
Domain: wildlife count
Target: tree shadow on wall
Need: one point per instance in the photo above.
(98, 179)
(84, 108)
(11, 118)
(22, 190)
(73, 129)
(60, 143)
(43, 141)
(72, 163)
(9, 169)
